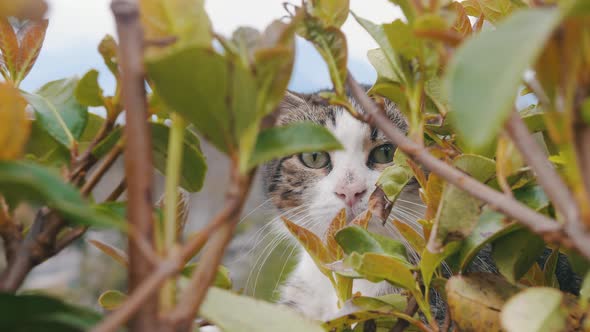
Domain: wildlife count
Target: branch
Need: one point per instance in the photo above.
(549, 180)
(109, 160)
(138, 158)
(170, 266)
(117, 192)
(411, 310)
(533, 220)
(36, 247)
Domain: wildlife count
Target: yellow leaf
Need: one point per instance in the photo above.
(14, 124)
(311, 242)
(337, 224)
(362, 219)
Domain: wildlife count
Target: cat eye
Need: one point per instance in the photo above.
(315, 159)
(382, 154)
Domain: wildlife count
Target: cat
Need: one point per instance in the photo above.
(326, 182)
(322, 183)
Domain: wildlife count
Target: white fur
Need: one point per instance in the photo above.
(307, 287)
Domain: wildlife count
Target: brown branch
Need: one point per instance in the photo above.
(109, 160)
(138, 158)
(168, 267)
(36, 247)
(533, 220)
(547, 176)
(551, 182)
(104, 130)
(117, 192)
(411, 310)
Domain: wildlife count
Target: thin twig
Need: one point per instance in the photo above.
(552, 184)
(535, 221)
(411, 310)
(138, 158)
(547, 176)
(117, 192)
(68, 238)
(108, 162)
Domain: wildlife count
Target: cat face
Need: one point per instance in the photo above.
(325, 182)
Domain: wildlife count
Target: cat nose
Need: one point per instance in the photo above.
(351, 194)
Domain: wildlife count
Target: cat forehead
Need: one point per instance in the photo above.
(298, 108)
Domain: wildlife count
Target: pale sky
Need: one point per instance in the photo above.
(77, 26)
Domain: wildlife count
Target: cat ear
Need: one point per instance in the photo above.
(292, 99)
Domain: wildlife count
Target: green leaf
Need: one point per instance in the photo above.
(291, 139)
(222, 279)
(377, 267)
(330, 42)
(429, 262)
(537, 309)
(108, 50)
(194, 165)
(378, 33)
(58, 112)
(458, 211)
(25, 313)
(516, 252)
(379, 61)
(330, 12)
(407, 8)
(185, 20)
(490, 226)
(88, 92)
(482, 106)
(394, 178)
(402, 39)
(235, 313)
(111, 299)
(27, 181)
(475, 300)
(44, 149)
(182, 80)
(550, 268)
(356, 239)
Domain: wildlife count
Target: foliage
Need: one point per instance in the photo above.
(455, 82)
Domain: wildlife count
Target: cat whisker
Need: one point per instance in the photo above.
(280, 276)
(265, 230)
(281, 236)
(410, 202)
(254, 210)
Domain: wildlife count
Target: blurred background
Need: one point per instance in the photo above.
(256, 258)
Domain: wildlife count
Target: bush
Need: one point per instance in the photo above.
(490, 174)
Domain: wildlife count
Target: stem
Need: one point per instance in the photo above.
(138, 158)
(411, 310)
(173, 170)
(109, 160)
(547, 176)
(535, 221)
(37, 246)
